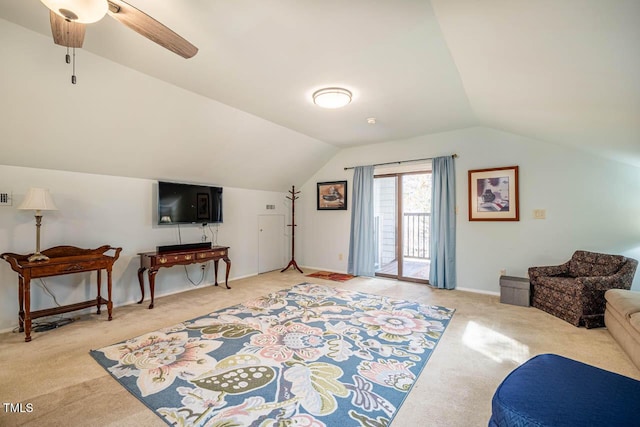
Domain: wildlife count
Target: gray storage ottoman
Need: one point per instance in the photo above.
(514, 290)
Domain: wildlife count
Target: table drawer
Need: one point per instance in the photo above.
(173, 258)
(216, 254)
(56, 269)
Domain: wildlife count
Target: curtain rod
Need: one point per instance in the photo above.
(455, 156)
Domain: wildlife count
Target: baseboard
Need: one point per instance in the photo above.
(478, 291)
(10, 329)
(178, 291)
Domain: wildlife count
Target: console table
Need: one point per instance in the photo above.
(153, 261)
(62, 260)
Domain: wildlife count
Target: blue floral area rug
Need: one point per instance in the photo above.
(309, 356)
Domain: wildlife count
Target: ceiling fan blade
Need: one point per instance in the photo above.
(145, 25)
(66, 33)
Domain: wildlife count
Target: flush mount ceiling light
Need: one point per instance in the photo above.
(80, 11)
(332, 97)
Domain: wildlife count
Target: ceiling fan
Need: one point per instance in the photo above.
(69, 18)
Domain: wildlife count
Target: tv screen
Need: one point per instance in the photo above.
(188, 204)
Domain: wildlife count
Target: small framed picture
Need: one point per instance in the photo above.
(203, 206)
(493, 194)
(332, 195)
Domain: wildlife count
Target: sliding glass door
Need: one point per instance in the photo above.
(385, 213)
(402, 209)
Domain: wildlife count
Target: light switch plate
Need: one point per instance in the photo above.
(539, 214)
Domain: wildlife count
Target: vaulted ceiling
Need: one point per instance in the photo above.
(560, 71)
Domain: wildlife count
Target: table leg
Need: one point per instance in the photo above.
(27, 309)
(215, 271)
(109, 302)
(226, 277)
(152, 285)
(99, 287)
(141, 282)
(21, 302)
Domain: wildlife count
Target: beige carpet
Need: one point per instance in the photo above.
(483, 343)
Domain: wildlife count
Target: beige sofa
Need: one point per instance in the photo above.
(622, 318)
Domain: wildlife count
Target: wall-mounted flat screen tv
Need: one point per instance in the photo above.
(188, 204)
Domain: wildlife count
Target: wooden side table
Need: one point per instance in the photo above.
(62, 260)
(153, 261)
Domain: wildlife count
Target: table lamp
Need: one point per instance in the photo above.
(38, 199)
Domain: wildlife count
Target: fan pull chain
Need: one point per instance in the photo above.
(67, 58)
(73, 76)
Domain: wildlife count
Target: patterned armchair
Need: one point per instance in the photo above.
(574, 291)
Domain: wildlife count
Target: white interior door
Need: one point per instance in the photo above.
(270, 243)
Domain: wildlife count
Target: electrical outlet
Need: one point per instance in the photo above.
(340, 257)
(503, 272)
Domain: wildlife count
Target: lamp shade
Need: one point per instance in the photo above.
(332, 97)
(38, 199)
(81, 11)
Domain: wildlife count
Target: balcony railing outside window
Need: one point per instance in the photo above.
(416, 235)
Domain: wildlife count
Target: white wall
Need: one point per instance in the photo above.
(591, 204)
(95, 210)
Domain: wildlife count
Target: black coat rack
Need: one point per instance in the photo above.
(293, 198)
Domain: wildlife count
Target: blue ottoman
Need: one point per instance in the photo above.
(551, 390)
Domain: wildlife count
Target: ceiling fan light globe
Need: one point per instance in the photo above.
(80, 11)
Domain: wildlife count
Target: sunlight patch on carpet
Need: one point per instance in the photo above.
(311, 355)
(494, 345)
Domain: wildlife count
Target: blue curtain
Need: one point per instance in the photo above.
(442, 243)
(361, 242)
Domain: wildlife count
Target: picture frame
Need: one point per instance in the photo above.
(493, 194)
(332, 195)
(203, 206)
